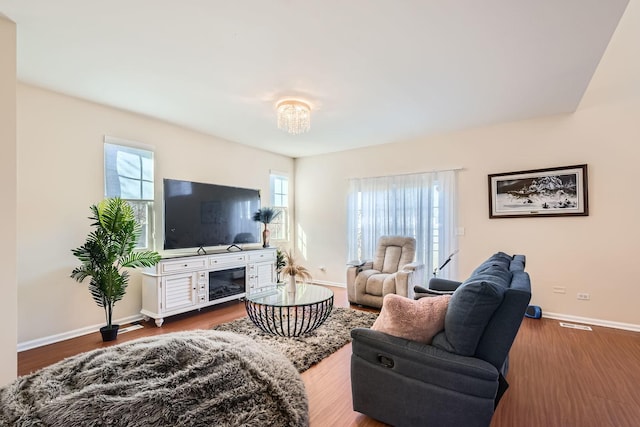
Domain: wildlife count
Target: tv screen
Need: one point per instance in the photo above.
(200, 215)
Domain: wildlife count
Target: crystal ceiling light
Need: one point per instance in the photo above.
(294, 116)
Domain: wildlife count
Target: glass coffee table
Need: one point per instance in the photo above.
(278, 312)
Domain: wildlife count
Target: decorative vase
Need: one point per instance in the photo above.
(109, 333)
(265, 237)
(291, 284)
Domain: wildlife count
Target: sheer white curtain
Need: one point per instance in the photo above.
(421, 205)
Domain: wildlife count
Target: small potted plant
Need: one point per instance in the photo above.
(265, 215)
(108, 250)
(280, 263)
(294, 271)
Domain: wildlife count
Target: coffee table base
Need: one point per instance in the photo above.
(289, 321)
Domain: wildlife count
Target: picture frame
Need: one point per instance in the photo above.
(553, 192)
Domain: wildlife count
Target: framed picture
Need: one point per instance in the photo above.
(558, 191)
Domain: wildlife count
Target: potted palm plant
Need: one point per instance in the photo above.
(265, 215)
(107, 252)
(294, 270)
(280, 263)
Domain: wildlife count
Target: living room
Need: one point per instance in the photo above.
(52, 173)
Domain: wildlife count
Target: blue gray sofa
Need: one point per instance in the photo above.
(458, 379)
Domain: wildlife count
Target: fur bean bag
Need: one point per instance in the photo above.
(196, 378)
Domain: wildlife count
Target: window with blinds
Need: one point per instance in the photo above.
(128, 174)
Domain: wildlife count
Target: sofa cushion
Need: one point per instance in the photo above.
(497, 259)
(470, 309)
(374, 283)
(415, 320)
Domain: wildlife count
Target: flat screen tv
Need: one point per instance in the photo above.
(198, 215)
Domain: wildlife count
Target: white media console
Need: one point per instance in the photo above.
(184, 283)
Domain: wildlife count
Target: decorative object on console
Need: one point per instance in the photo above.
(416, 320)
(109, 249)
(265, 215)
(294, 116)
(194, 378)
(294, 271)
(560, 191)
(280, 263)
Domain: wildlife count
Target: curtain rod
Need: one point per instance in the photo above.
(411, 173)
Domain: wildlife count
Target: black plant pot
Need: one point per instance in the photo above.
(109, 333)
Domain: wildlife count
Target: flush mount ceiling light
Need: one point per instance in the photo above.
(294, 116)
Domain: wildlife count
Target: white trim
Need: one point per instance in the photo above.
(327, 283)
(39, 342)
(595, 322)
(279, 173)
(128, 143)
(410, 173)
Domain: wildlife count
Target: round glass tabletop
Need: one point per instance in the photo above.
(289, 314)
(277, 295)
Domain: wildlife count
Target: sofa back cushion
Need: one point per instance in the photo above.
(502, 328)
(471, 307)
(393, 252)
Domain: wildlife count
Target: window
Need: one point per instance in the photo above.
(280, 200)
(128, 174)
(418, 205)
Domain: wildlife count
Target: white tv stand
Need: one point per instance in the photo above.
(181, 283)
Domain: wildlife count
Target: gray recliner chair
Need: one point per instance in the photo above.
(458, 379)
(392, 271)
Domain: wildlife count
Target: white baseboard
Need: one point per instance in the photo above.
(327, 283)
(590, 321)
(28, 345)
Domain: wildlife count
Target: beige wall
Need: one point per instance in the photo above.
(8, 302)
(594, 254)
(60, 158)
(60, 175)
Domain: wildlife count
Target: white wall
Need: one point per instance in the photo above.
(60, 174)
(8, 289)
(594, 254)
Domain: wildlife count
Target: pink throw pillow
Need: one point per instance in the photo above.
(416, 320)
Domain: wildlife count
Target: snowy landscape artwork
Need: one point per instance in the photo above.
(549, 192)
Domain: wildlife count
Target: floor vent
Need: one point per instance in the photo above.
(574, 326)
(129, 328)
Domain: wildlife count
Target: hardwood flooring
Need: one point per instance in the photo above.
(558, 376)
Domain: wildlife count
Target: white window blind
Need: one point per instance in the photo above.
(128, 174)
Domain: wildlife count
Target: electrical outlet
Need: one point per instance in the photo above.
(584, 296)
(559, 290)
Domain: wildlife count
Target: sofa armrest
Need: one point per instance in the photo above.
(408, 277)
(438, 284)
(425, 363)
(420, 292)
(352, 273)
(411, 266)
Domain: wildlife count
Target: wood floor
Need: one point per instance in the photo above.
(558, 376)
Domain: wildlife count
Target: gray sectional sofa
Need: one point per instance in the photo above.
(458, 379)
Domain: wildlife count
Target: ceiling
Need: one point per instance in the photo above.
(374, 71)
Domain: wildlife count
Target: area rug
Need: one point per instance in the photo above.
(309, 349)
(196, 378)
